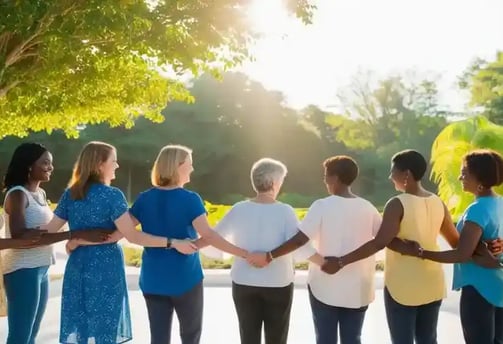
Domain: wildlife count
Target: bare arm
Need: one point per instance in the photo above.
(317, 259)
(390, 226)
(468, 241)
(126, 227)
(209, 236)
(298, 240)
(15, 205)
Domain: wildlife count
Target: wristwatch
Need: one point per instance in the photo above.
(168, 243)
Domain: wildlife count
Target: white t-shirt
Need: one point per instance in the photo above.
(260, 227)
(337, 226)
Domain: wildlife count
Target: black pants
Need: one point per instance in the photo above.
(330, 320)
(409, 323)
(189, 310)
(263, 305)
(482, 322)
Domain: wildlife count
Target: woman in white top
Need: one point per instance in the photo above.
(262, 296)
(336, 225)
(25, 270)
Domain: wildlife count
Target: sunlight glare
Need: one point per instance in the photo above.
(268, 17)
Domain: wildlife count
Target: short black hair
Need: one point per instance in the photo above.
(342, 166)
(412, 161)
(486, 166)
(23, 158)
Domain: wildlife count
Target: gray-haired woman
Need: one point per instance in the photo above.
(262, 296)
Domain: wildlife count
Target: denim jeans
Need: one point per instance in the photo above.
(329, 320)
(189, 310)
(27, 292)
(482, 322)
(409, 323)
(263, 305)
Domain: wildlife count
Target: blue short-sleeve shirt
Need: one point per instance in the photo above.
(168, 213)
(487, 213)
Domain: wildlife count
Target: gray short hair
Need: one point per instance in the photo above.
(265, 172)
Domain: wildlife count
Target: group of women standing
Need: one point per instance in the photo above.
(339, 236)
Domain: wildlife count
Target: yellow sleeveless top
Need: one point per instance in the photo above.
(413, 281)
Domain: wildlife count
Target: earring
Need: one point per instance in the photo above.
(406, 180)
(480, 188)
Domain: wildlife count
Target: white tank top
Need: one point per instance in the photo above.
(37, 213)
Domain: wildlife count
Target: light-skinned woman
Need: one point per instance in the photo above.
(170, 281)
(94, 305)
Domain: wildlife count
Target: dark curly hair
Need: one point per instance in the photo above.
(486, 166)
(23, 158)
(342, 166)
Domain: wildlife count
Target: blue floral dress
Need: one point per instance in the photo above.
(94, 305)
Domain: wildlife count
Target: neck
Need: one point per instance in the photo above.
(343, 191)
(32, 185)
(171, 186)
(485, 193)
(414, 188)
(265, 197)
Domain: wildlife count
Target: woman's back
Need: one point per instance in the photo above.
(413, 281)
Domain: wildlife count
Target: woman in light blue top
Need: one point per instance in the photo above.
(481, 304)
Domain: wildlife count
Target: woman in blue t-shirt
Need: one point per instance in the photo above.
(171, 281)
(481, 304)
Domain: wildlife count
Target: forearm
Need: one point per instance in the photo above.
(216, 240)
(449, 257)
(298, 240)
(397, 245)
(146, 240)
(201, 243)
(366, 250)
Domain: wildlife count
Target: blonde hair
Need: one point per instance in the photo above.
(165, 169)
(265, 172)
(87, 168)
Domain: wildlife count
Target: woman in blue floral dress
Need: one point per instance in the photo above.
(95, 306)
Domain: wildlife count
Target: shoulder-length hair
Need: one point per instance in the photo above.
(86, 170)
(165, 170)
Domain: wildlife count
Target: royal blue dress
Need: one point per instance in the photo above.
(94, 305)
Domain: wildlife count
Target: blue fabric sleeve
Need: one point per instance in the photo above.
(196, 207)
(136, 208)
(61, 210)
(476, 213)
(118, 204)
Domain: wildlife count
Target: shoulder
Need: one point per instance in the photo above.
(368, 205)
(285, 208)
(191, 195)
(111, 191)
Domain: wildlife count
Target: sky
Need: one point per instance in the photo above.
(431, 37)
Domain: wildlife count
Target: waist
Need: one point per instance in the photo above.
(15, 259)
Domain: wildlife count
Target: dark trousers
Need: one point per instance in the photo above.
(189, 310)
(482, 322)
(409, 323)
(263, 305)
(329, 320)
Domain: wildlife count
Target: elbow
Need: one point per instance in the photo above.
(378, 244)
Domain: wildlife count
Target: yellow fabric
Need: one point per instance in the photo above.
(3, 299)
(413, 281)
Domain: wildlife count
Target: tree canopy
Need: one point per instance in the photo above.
(65, 63)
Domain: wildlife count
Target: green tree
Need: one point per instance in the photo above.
(64, 63)
(484, 80)
(450, 146)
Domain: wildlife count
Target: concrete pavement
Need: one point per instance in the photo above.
(220, 322)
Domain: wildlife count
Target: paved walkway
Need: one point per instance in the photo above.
(220, 322)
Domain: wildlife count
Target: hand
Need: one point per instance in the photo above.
(33, 235)
(94, 235)
(258, 259)
(331, 265)
(71, 245)
(410, 248)
(495, 246)
(186, 246)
